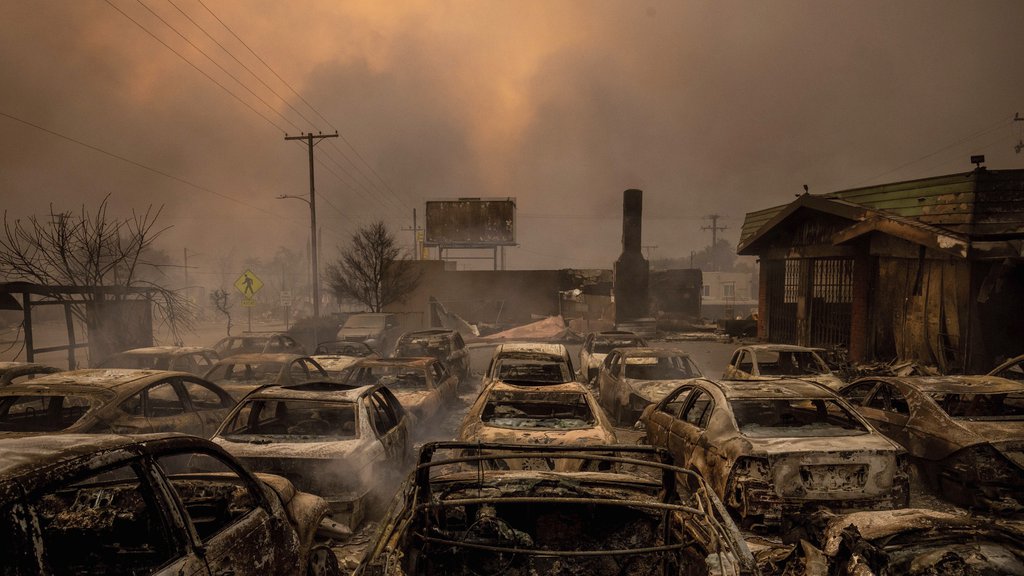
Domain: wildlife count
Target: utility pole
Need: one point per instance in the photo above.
(315, 256)
(415, 235)
(714, 236)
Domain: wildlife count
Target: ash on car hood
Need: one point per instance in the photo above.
(654, 390)
(413, 398)
(543, 436)
(325, 450)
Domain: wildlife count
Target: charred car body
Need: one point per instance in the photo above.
(632, 378)
(258, 343)
(329, 439)
(1012, 369)
(597, 345)
(243, 373)
(113, 400)
(455, 517)
(909, 541)
(965, 433)
(161, 503)
(530, 362)
(377, 330)
(767, 361)
(774, 450)
(424, 386)
(13, 372)
(192, 359)
(337, 356)
(560, 414)
(445, 345)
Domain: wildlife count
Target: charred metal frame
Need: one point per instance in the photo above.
(66, 296)
(709, 507)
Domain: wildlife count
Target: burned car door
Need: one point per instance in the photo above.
(687, 437)
(445, 381)
(240, 529)
(741, 367)
(608, 379)
(661, 419)
(157, 408)
(889, 411)
(111, 523)
(210, 404)
(388, 421)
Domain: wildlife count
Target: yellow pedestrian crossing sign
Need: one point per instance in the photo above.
(248, 284)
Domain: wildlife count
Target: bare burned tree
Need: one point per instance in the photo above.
(372, 269)
(219, 299)
(92, 250)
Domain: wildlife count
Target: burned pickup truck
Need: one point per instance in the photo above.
(455, 517)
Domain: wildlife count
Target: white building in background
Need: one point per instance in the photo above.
(728, 295)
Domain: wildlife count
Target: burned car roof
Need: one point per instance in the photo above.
(112, 378)
(530, 347)
(161, 350)
(958, 384)
(11, 370)
(312, 390)
(260, 357)
(781, 348)
(38, 455)
(398, 361)
(780, 388)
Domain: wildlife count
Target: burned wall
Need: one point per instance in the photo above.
(488, 296)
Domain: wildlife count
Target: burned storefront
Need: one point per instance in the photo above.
(930, 270)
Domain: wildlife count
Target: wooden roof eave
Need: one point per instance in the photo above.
(843, 209)
(928, 236)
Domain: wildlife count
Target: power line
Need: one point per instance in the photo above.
(217, 64)
(240, 63)
(198, 69)
(138, 164)
(311, 107)
(981, 132)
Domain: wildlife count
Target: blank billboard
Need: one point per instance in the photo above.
(479, 222)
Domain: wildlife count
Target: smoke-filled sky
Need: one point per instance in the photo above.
(710, 107)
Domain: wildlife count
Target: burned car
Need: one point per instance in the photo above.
(376, 329)
(775, 450)
(597, 345)
(632, 378)
(337, 356)
(333, 440)
(445, 345)
(457, 517)
(193, 359)
(767, 361)
(964, 433)
(96, 401)
(423, 385)
(151, 504)
(243, 373)
(530, 362)
(258, 343)
(13, 372)
(909, 541)
(559, 414)
(1012, 369)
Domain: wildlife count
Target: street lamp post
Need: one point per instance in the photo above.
(314, 257)
(309, 138)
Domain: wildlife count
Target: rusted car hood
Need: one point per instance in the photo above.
(306, 450)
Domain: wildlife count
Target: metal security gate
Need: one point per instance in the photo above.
(831, 299)
(783, 277)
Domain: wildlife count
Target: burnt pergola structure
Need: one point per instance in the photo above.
(122, 311)
(930, 270)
